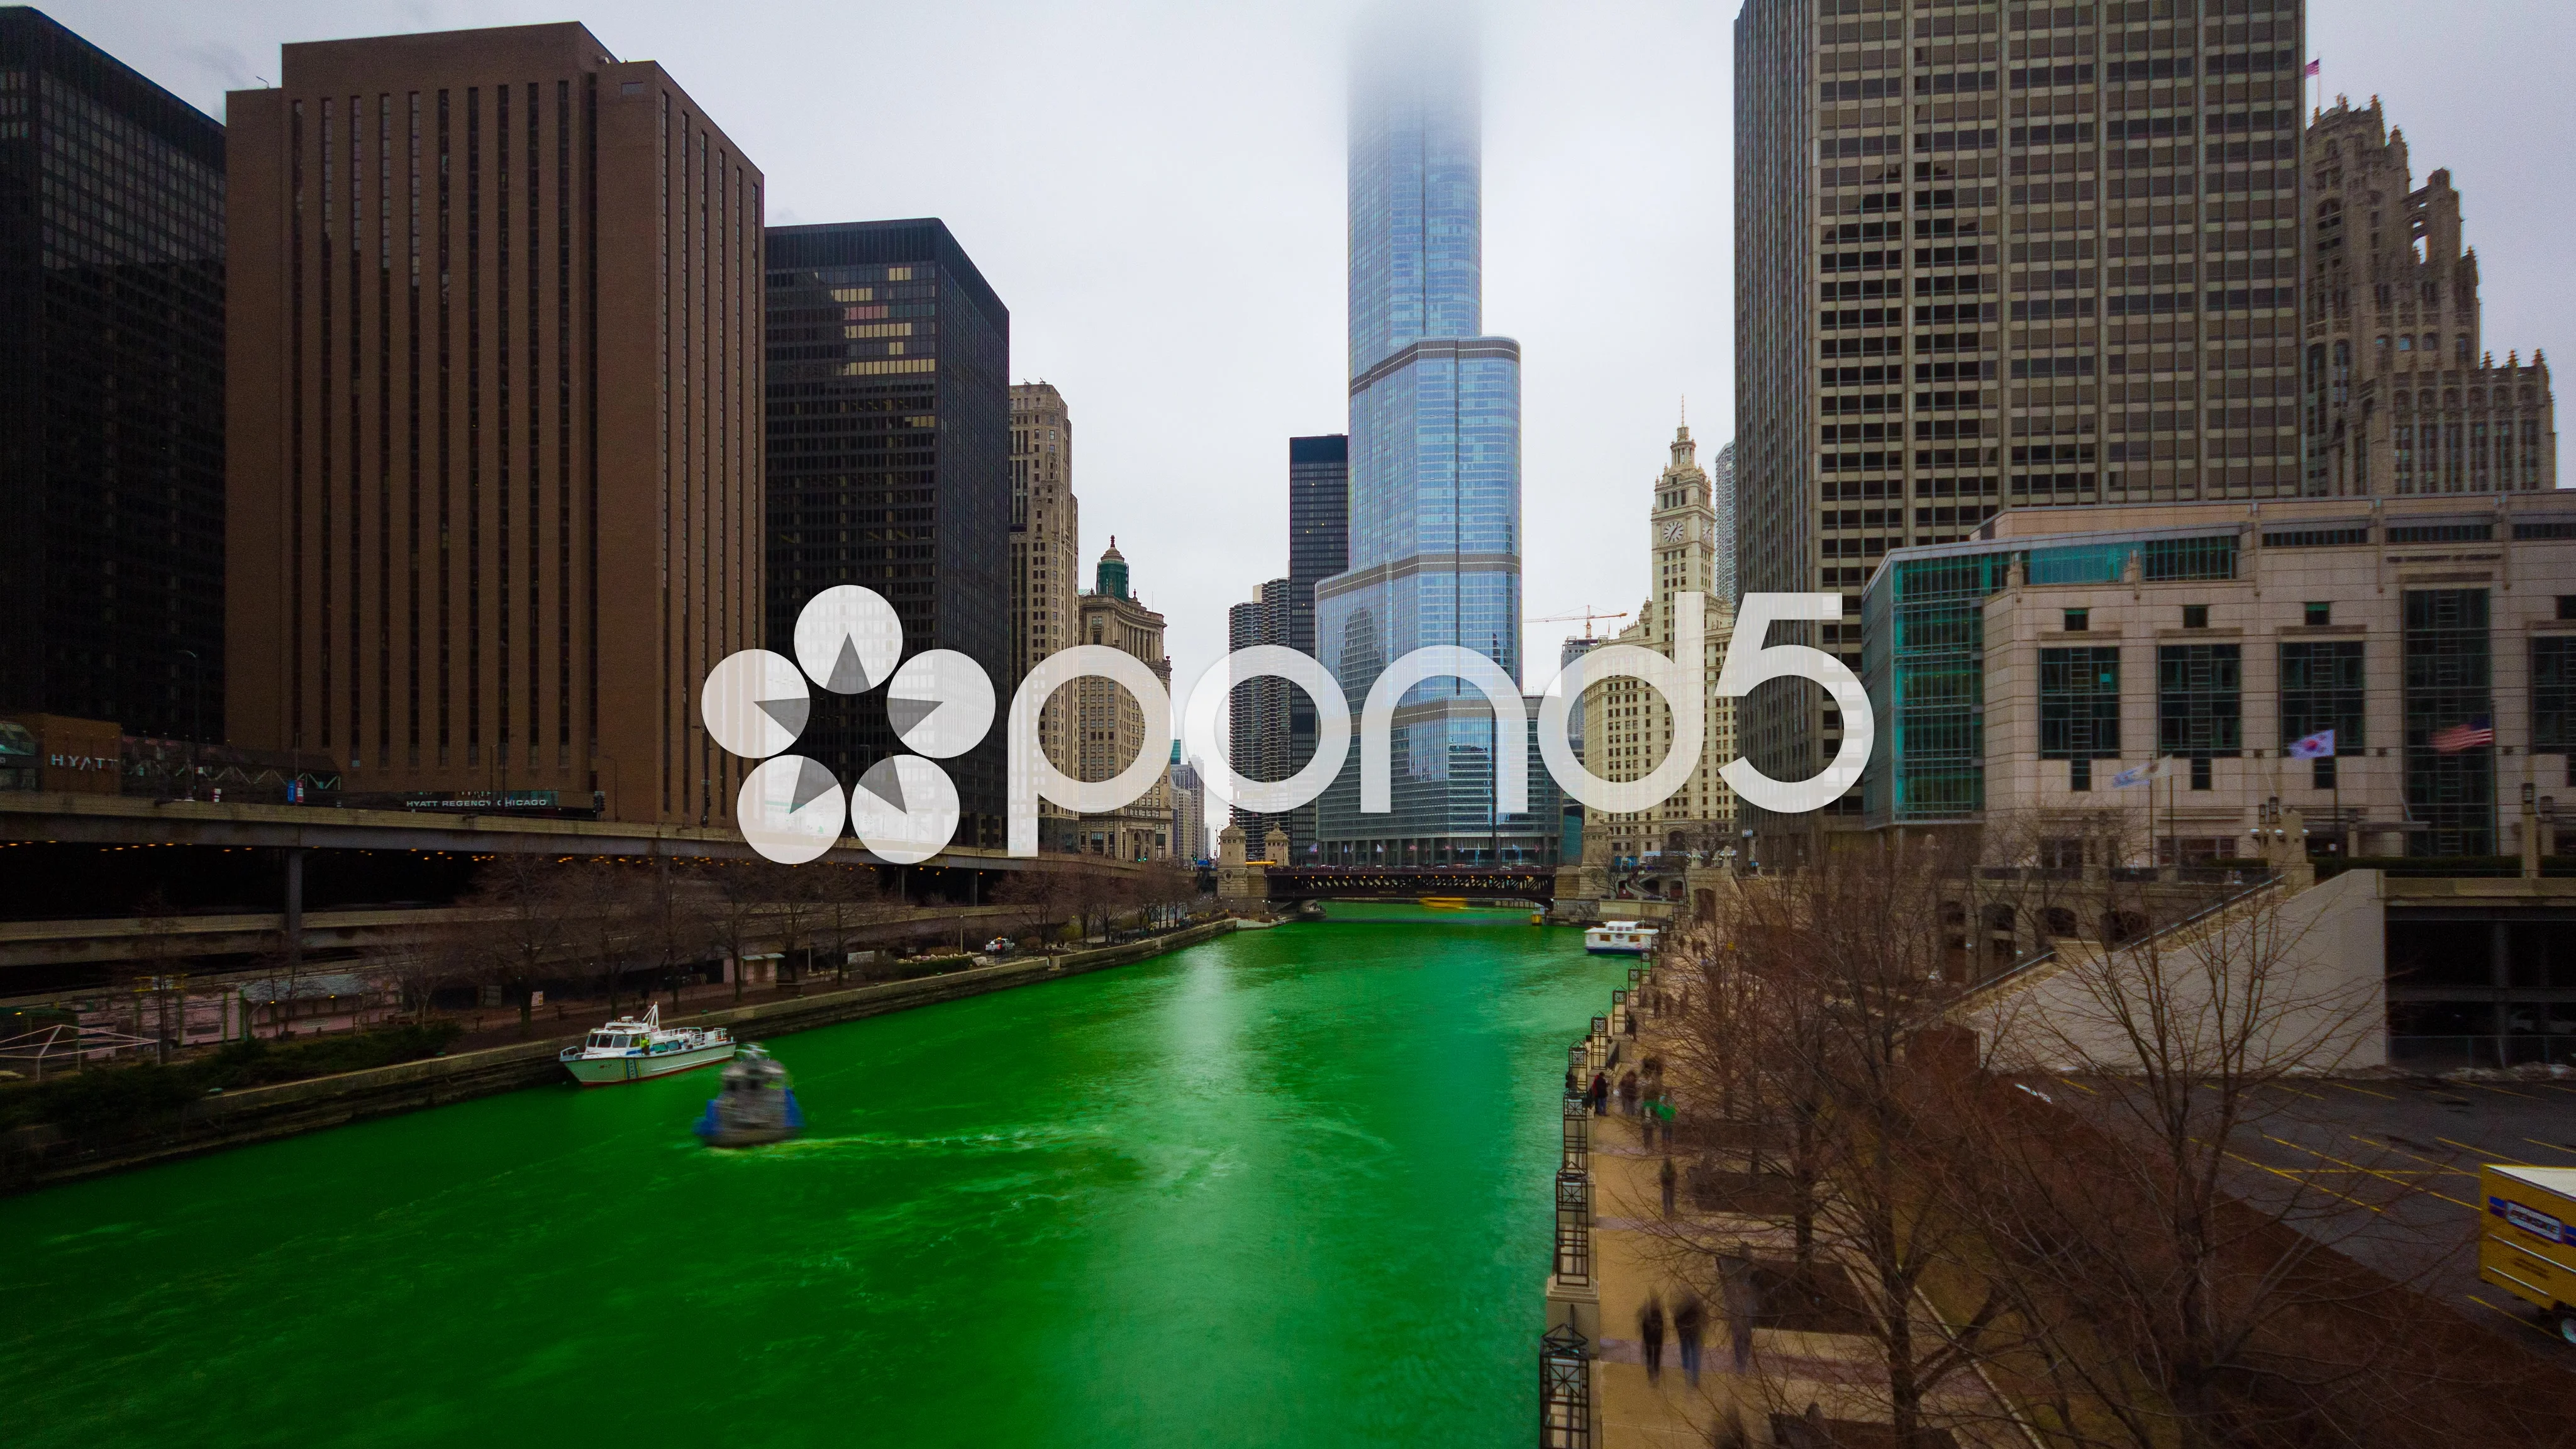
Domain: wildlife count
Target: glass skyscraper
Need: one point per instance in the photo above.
(1435, 500)
(890, 466)
(111, 390)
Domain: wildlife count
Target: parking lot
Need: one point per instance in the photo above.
(2385, 1170)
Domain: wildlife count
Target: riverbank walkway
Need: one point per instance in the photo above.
(1776, 1367)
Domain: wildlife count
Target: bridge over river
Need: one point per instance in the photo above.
(1287, 1188)
(1535, 885)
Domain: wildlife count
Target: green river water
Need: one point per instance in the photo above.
(1286, 1188)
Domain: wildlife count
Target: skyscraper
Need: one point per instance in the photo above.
(111, 389)
(2021, 258)
(2402, 394)
(1046, 558)
(1722, 498)
(1258, 710)
(1434, 458)
(493, 446)
(890, 417)
(1319, 546)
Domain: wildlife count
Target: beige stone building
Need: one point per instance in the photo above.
(1627, 728)
(1046, 551)
(2402, 396)
(2015, 676)
(1109, 725)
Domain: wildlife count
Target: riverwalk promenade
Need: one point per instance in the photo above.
(1697, 1330)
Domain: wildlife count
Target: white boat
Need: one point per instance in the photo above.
(1619, 938)
(629, 1050)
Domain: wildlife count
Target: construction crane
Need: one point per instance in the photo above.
(1587, 616)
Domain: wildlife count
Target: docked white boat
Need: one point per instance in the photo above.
(1619, 938)
(629, 1050)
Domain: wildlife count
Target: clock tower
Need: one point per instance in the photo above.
(1684, 528)
(1628, 729)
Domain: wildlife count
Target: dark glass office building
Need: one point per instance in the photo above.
(111, 389)
(890, 467)
(1319, 546)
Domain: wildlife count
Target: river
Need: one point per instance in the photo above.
(1286, 1188)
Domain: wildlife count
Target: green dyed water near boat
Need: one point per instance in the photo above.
(1286, 1188)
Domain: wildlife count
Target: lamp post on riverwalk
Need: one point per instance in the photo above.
(1564, 1389)
(1577, 1111)
(1566, 1397)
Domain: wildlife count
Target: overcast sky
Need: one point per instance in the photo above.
(1155, 189)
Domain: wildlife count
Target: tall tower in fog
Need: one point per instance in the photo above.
(1434, 455)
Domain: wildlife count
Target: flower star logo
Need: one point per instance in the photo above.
(791, 808)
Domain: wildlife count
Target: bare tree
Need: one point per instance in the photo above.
(1097, 893)
(840, 907)
(519, 909)
(737, 904)
(2188, 1041)
(1038, 897)
(609, 920)
(676, 916)
(416, 966)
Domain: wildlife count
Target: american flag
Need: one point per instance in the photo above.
(2479, 731)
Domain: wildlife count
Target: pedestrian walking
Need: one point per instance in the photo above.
(1688, 1319)
(1667, 1177)
(1664, 1115)
(1743, 1302)
(1650, 1333)
(1628, 1094)
(1600, 1094)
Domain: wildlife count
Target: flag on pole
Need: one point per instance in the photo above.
(2478, 731)
(2318, 746)
(2141, 774)
(2316, 67)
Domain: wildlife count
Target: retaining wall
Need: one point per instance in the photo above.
(258, 1114)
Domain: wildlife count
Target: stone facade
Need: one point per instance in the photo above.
(1627, 728)
(2205, 639)
(2402, 396)
(1109, 725)
(1046, 552)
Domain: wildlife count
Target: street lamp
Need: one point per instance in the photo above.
(1574, 1227)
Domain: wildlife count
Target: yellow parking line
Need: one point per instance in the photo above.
(2485, 1156)
(2357, 1167)
(2516, 1317)
(2365, 1091)
(2552, 1146)
(2303, 1180)
(2507, 1091)
(2079, 1086)
(2439, 1168)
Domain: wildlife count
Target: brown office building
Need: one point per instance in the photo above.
(495, 425)
(2000, 258)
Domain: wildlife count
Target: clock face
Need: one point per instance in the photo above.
(1673, 530)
